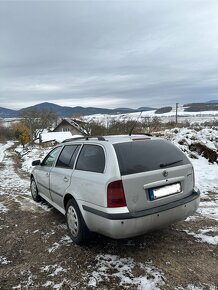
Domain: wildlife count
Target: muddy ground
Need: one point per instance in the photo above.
(40, 255)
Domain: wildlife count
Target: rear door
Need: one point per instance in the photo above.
(88, 178)
(154, 172)
(60, 174)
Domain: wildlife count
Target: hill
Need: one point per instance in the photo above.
(213, 101)
(7, 113)
(163, 110)
(200, 107)
(63, 111)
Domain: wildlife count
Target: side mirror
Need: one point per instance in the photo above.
(36, 162)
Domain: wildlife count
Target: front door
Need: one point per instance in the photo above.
(43, 173)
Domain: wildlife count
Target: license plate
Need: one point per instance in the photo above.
(163, 191)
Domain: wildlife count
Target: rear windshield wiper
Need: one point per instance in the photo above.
(170, 163)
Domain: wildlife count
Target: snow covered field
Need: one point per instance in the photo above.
(51, 261)
(192, 117)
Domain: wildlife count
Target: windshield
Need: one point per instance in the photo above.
(141, 156)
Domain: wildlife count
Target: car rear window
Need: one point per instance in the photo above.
(141, 156)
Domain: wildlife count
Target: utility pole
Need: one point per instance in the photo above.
(177, 112)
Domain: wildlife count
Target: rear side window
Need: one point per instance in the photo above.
(67, 156)
(141, 156)
(91, 158)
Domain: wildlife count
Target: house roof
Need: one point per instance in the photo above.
(55, 136)
(74, 123)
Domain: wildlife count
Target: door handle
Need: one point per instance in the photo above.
(47, 174)
(66, 179)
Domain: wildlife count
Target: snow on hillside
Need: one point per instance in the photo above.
(192, 117)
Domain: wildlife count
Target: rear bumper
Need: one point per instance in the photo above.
(125, 225)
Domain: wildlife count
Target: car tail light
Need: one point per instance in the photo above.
(115, 194)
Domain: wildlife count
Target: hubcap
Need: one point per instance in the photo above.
(34, 189)
(73, 221)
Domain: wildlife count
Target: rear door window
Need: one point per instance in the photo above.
(91, 158)
(67, 156)
(141, 156)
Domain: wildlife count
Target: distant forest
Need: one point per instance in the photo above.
(196, 107)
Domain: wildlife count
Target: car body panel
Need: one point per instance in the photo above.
(135, 226)
(60, 180)
(42, 177)
(136, 186)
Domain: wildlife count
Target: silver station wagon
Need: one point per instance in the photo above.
(118, 186)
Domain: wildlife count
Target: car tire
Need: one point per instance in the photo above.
(34, 191)
(79, 232)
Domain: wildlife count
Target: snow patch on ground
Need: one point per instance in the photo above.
(3, 208)
(206, 136)
(206, 173)
(64, 241)
(193, 287)
(53, 270)
(28, 204)
(27, 283)
(3, 148)
(30, 154)
(4, 260)
(10, 182)
(208, 211)
(208, 235)
(112, 266)
(59, 286)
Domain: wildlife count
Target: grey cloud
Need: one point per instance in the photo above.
(133, 53)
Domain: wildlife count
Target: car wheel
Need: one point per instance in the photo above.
(34, 191)
(78, 230)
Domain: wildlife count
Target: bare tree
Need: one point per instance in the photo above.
(37, 121)
(94, 128)
(152, 124)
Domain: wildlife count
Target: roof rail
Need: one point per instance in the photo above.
(75, 139)
(100, 138)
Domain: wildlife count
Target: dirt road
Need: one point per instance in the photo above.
(37, 253)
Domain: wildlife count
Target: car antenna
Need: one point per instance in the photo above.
(130, 133)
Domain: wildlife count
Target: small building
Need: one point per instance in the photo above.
(71, 125)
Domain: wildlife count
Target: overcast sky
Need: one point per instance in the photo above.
(108, 53)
